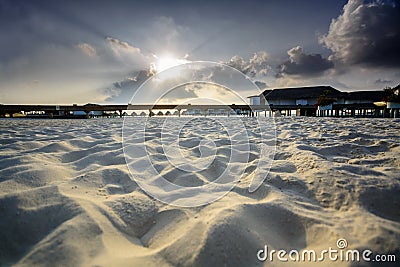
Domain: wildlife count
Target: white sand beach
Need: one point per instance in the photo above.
(67, 198)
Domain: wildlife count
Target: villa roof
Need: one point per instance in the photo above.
(302, 92)
(366, 95)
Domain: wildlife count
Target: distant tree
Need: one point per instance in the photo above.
(392, 94)
(324, 99)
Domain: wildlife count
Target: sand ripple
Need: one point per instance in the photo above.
(67, 198)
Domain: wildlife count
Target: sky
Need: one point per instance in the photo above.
(64, 52)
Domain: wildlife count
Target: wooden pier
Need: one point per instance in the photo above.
(64, 111)
(337, 110)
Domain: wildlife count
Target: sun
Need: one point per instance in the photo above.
(168, 61)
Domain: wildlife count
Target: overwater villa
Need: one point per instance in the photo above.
(325, 101)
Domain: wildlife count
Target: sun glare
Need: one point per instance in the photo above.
(166, 62)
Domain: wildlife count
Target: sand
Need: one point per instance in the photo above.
(67, 198)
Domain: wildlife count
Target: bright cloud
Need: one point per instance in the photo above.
(87, 49)
(256, 66)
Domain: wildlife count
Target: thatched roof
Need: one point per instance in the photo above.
(317, 91)
(366, 95)
(301, 92)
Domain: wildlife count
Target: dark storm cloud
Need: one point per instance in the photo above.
(123, 91)
(383, 82)
(261, 85)
(302, 64)
(366, 34)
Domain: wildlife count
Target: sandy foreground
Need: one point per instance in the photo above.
(67, 198)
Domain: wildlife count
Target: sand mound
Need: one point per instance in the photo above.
(29, 217)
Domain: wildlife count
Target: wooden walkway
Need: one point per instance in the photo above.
(338, 110)
(63, 110)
